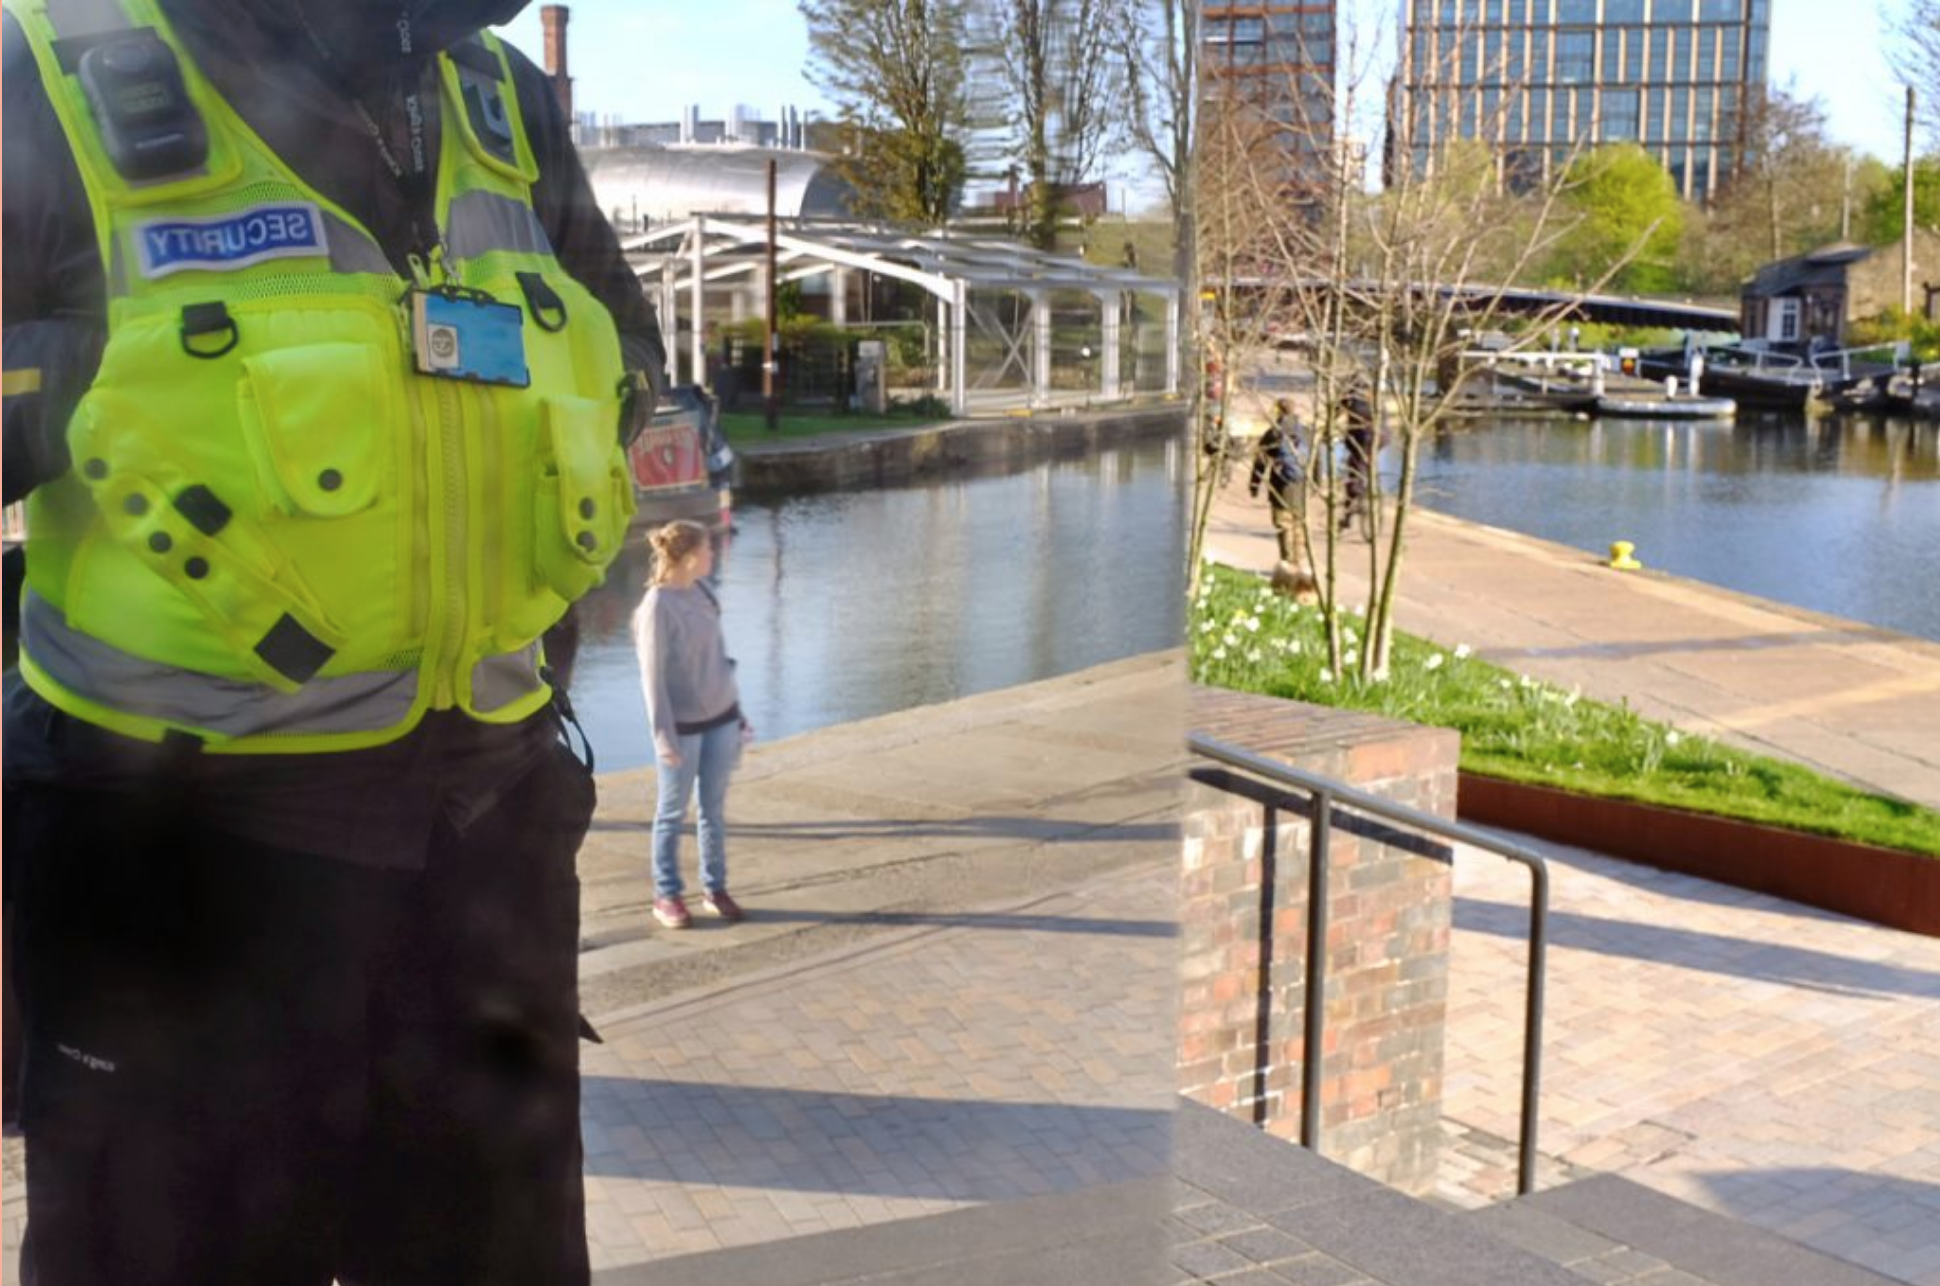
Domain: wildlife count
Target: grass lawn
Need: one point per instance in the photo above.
(747, 428)
(1244, 637)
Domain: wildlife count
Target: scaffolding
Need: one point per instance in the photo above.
(1014, 328)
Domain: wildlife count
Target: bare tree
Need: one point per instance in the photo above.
(1384, 290)
(1159, 57)
(896, 70)
(1056, 61)
(1916, 56)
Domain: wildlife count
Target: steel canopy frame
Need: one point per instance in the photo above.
(715, 248)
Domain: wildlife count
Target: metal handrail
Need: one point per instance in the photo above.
(1897, 351)
(1326, 795)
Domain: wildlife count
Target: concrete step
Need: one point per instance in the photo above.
(1611, 1230)
(1253, 1210)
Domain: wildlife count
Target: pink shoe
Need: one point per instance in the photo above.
(672, 912)
(724, 906)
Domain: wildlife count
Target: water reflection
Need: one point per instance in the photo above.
(1761, 444)
(843, 605)
(1840, 516)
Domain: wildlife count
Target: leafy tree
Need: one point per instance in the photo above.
(896, 71)
(1791, 196)
(1884, 217)
(1626, 210)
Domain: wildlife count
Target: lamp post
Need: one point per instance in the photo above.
(771, 334)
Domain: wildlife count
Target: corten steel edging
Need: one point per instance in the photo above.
(1326, 795)
(1885, 886)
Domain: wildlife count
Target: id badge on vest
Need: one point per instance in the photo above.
(468, 335)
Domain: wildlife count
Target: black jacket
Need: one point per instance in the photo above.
(1276, 462)
(268, 68)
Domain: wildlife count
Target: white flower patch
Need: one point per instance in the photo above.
(1229, 638)
(1219, 654)
(1255, 655)
(1433, 663)
(1672, 738)
(1463, 651)
(1253, 624)
(1326, 675)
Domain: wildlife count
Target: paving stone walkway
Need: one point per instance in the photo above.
(1749, 1056)
(1845, 698)
(1027, 1055)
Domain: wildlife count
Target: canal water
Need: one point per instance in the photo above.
(1836, 515)
(842, 605)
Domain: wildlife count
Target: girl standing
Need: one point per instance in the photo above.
(693, 708)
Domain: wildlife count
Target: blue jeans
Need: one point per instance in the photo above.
(707, 760)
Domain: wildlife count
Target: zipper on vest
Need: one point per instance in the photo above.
(449, 501)
(497, 486)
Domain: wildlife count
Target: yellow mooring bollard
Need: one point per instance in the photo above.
(1620, 551)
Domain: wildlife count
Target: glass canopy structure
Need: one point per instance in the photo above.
(1011, 328)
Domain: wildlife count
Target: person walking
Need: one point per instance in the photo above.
(1277, 466)
(694, 713)
(1359, 436)
(320, 359)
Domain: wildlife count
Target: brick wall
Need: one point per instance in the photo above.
(1387, 965)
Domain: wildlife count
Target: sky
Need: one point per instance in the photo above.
(645, 60)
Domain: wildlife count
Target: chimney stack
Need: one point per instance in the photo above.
(553, 18)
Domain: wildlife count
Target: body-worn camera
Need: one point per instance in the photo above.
(149, 126)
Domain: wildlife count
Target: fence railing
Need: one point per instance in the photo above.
(1323, 797)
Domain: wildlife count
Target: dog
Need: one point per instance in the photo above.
(1295, 583)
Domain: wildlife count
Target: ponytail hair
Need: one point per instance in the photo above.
(672, 543)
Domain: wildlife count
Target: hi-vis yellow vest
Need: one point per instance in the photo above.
(276, 534)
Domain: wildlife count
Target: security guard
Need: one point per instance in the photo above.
(319, 364)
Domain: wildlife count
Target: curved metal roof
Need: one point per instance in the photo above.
(933, 260)
(662, 184)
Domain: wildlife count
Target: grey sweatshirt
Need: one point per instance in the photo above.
(685, 672)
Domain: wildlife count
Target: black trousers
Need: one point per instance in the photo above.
(248, 1065)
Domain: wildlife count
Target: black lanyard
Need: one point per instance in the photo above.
(415, 181)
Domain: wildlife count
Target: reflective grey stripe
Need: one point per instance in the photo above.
(351, 250)
(72, 18)
(482, 221)
(112, 678)
(117, 269)
(498, 681)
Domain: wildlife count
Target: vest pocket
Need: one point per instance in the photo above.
(312, 459)
(584, 498)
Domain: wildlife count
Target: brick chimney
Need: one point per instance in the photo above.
(553, 17)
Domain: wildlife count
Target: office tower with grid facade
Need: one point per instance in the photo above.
(1538, 80)
(1271, 66)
